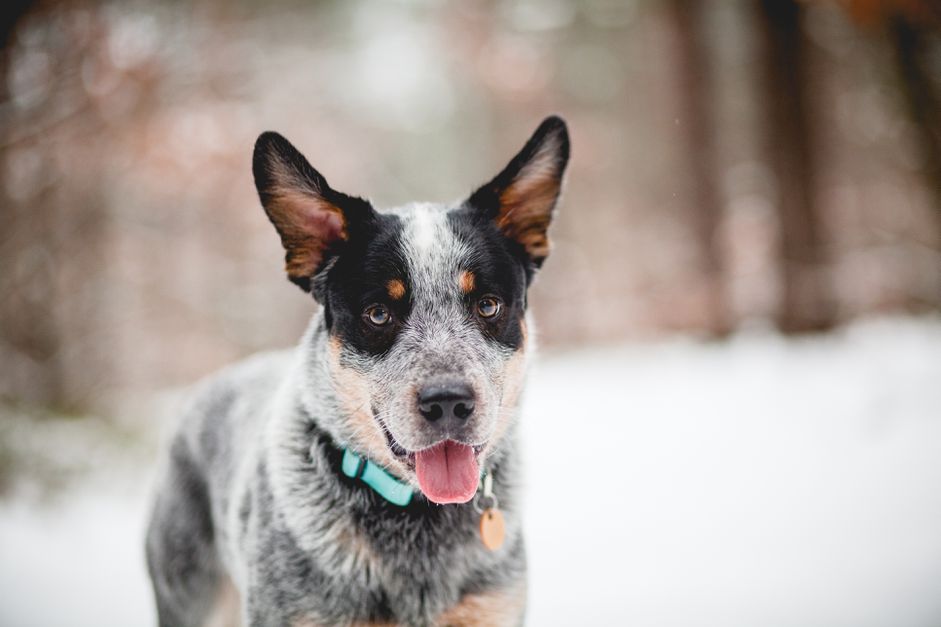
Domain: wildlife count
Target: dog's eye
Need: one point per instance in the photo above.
(488, 307)
(378, 315)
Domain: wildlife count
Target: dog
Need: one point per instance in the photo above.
(371, 475)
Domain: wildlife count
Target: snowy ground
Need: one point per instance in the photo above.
(758, 482)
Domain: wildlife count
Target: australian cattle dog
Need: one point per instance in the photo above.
(370, 475)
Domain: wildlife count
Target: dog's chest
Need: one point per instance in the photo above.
(411, 568)
(379, 565)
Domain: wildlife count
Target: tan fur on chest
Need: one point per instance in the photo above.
(226, 610)
(500, 608)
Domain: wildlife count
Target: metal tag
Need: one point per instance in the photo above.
(492, 528)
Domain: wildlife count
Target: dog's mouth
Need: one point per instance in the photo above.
(407, 456)
(397, 449)
(447, 472)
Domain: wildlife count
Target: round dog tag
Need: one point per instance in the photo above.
(492, 528)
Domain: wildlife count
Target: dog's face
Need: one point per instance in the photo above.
(425, 305)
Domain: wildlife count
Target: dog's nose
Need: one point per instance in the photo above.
(447, 400)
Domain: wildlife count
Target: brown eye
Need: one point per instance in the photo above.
(488, 307)
(378, 315)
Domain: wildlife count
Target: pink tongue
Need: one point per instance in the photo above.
(448, 472)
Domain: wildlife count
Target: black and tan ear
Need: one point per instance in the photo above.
(313, 220)
(522, 198)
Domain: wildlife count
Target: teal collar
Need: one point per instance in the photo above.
(377, 478)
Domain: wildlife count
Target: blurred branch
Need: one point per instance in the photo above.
(877, 12)
(37, 131)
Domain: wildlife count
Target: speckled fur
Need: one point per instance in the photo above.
(251, 507)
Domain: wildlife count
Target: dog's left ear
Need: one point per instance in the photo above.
(522, 198)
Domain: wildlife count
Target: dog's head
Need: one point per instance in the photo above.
(424, 305)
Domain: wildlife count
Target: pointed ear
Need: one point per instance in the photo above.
(312, 219)
(522, 198)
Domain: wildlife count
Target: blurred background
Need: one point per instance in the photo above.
(748, 253)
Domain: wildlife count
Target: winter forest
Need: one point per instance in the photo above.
(740, 316)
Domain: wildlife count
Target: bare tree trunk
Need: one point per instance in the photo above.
(805, 304)
(921, 101)
(696, 98)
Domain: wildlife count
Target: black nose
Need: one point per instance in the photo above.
(447, 400)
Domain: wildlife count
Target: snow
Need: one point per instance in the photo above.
(761, 481)
(79, 563)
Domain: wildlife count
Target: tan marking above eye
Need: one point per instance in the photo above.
(396, 289)
(467, 281)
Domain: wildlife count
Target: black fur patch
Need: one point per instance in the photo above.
(358, 279)
(501, 268)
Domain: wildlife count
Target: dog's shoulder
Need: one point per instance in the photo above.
(219, 413)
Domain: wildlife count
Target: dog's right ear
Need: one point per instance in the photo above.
(313, 220)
